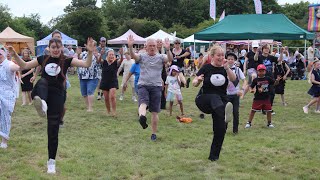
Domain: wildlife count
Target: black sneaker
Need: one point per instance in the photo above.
(153, 137)
(188, 82)
(143, 122)
(201, 116)
(263, 112)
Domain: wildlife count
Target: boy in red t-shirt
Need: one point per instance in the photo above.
(261, 101)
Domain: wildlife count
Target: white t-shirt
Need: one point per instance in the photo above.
(126, 65)
(173, 85)
(310, 54)
(232, 89)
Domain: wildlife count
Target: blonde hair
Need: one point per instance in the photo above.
(214, 49)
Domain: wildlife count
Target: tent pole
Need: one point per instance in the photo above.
(248, 45)
(194, 48)
(305, 48)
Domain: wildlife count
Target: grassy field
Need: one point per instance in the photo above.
(95, 146)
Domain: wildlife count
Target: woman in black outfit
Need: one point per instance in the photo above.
(26, 75)
(212, 97)
(49, 93)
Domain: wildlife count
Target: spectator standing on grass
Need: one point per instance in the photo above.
(281, 71)
(89, 77)
(179, 55)
(49, 94)
(173, 88)
(126, 66)
(261, 102)
(314, 91)
(109, 82)
(102, 47)
(8, 95)
(233, 90)
(163, 74)
(26, 75)
(150, 82)
(268, 60)
(212, 97)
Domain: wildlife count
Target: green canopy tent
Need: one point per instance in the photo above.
(254, 26)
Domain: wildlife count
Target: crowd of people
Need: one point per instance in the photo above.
(156, 73)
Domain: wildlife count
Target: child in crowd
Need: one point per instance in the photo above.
(261, 99)
(281, 71)
(125, 66)
(233, 90)
(314, 91)
(173, 84)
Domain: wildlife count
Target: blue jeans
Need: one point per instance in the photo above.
(88, 86)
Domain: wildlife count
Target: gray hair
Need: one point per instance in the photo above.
(150, 40)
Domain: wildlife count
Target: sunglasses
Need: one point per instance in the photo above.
(177, 43)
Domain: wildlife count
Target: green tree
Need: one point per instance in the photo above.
(78, 4)
(83, 23)
(5, 17)
(30, 26)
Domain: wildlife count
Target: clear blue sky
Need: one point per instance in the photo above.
(49, 9)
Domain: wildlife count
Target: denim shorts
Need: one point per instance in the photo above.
(151, 96)
(88, 86)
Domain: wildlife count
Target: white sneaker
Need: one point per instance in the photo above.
(134, 99)
(3, 146)
(248, 125)
(305, 109)
(317, 111)
(41, 106)
(228, 112)
(99, 97)
(270, 125)
(121, 98)
(51, 164)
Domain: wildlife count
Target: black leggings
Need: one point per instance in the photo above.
(55, 99)
(215, 105)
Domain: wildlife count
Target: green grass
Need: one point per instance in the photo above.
(95, 146)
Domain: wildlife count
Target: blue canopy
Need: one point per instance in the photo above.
(43, 43)
(65, 40)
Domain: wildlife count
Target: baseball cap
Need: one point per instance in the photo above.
(174, 67)
(261, 67)
(103, 39)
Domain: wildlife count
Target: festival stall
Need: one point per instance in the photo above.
(123, 39)
(43, 43)
(18, 41)
(163, 35)
(257, 26)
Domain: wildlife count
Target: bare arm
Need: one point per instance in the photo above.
(313, 79)
(27, 73)
(245, 65)
(131, 51)
(23, 65)
(197, 80)
(14, 67)
(168, 52)
(79, 63)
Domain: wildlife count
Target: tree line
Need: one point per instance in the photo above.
(82, 18)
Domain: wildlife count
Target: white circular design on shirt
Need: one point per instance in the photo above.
(52, 69)
(217, 79)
